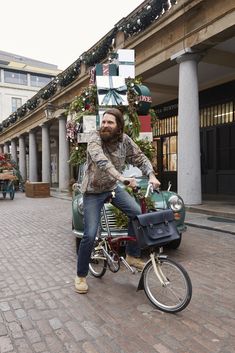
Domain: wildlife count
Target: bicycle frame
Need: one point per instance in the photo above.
(115, 243)
(165, 282)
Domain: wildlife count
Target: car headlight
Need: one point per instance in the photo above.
(176, 203)
(80, 205)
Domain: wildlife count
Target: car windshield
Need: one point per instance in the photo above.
(129, 172)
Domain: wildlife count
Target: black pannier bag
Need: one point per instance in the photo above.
(155, 228)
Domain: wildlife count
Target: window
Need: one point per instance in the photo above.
(209, 116)
(169, 151)
(18, 78)
(39, 81)
(15, 103)
(217, 114)
(165, 126)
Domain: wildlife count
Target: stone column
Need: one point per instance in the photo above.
(6, 148)
(63, 156)
(33, 162)
(14, 150)
(189, 167)
(22, 157)
(46, 157)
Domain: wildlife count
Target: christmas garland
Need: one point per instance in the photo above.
(138, 22)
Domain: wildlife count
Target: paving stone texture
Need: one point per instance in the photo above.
(40, 311)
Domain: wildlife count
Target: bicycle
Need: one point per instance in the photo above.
(165, 282)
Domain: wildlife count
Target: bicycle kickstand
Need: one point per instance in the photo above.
(133, 271)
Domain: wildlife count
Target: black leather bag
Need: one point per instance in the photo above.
(155, 228)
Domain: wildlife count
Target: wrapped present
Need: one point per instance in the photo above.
(144, 99)
(126, 63)
(106, 70)
(145, 128)
(148, 136)
(89, 123)
(83, 137)
(145, 123)
(100, 114)
(111, 90)
(92, 76)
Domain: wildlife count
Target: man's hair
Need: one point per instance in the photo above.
(119, 118)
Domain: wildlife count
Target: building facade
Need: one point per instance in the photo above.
(217, 136)
(185, 54)
(20, 79)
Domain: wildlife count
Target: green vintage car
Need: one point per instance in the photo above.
(161, 200)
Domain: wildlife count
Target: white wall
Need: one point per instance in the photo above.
(17, 91)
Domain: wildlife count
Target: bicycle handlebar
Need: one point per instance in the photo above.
(137, 188)
(149, 189)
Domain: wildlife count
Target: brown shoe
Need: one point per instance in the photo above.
(81, 285)
(135, 262)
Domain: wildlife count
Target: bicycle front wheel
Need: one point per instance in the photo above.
(98, 263)
(170, 289)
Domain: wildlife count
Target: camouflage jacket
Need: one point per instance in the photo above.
(105, 163)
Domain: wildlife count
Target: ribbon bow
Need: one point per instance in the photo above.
(112, 93)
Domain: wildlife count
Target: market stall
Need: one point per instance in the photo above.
(7, 176)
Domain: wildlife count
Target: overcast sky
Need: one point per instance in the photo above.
(58, 32)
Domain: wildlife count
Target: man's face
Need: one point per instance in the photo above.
(108, 130)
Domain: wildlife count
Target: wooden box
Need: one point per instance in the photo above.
(37, 189)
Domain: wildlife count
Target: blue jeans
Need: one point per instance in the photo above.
(92, 205)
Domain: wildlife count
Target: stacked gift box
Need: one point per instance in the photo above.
(106, 70)
(126, 63)
(112, 90)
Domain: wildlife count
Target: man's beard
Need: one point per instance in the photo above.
(108, 134)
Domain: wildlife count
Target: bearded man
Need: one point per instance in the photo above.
(108, 151)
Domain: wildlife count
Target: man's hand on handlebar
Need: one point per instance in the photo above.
(131, 182)
(154, 181)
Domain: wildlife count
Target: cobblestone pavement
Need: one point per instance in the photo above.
(41, 312)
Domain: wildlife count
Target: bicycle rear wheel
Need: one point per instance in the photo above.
(173, 293)
(98, 263)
